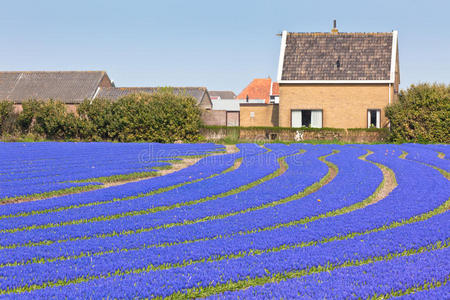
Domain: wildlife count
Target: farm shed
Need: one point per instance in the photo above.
(69, 87)
(221, 95)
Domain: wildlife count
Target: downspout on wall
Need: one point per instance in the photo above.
(390, 94)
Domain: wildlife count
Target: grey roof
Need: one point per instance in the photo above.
(232, 104)
(65, 86)
(115, 93)
(223, 94)
(341, 56)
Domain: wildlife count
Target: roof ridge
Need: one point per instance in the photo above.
(157, 87)
(75, 71)
(341, 33)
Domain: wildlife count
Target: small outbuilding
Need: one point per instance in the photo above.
(69, 87)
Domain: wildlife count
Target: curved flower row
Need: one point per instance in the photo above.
(52, 163)
(363, 281)
(313, 233)
(258, 217)
(162, 219)
(281, 239)
(248, 172)
(207, 167)
(209, 276)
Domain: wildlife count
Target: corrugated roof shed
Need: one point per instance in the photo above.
(66, 86)
(337, 56)
(222, 94)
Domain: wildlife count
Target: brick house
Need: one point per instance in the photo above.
(69, 87)
(340, 80)
(261, 108)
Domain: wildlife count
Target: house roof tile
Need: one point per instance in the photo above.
(275, 89)
(258, 89)
(341, 56)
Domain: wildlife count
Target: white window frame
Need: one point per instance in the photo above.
(378, 117)
(300, 118)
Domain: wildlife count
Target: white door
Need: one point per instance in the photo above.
(296, 116)
(316, 119)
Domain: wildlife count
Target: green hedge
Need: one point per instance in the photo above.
(422, 114)
(8, 118)
(161, 117)
(324, 129)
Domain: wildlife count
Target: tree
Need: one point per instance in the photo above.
(422, 114)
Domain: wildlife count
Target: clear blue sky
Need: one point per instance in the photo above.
(222, 45)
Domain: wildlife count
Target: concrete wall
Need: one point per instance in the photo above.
(233, 118)
(205, 102)
(289, 134)
(214, 117)
(18, 108)
(343, 105)
(259, 115)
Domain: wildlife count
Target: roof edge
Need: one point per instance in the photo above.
(340, 33)
(334, 81)
(55, 71)
(281, 58)
(394, 54)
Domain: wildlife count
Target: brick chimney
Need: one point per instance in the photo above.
(334, 30)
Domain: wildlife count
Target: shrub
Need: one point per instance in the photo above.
(161, 117)
(49, 119)
(421, 115)
(27, 118)
(97, 119)
(7, 118)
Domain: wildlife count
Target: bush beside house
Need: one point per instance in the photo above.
(421, 115)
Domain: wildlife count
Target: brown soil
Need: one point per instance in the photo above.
(390, 183)
(186, 162)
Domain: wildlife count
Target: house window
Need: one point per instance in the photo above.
(306, 118)
(373, 118)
